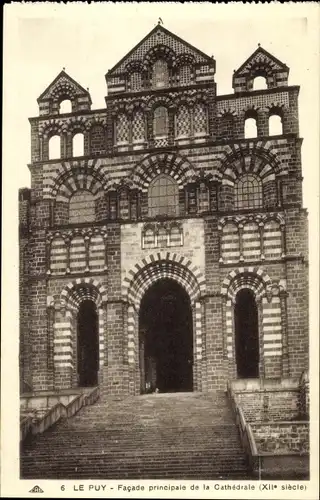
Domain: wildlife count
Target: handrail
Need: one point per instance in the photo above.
(92, 396)
(49, 418)
(245, 430)
(25, 426)
(74, 406)
(56, 412)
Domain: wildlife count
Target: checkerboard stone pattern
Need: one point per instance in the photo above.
(183, 122)
(200, 119)
(122, 128)
(138, 127)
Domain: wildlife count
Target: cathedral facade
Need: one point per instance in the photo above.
(163, 242)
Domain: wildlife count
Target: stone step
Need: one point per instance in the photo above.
(179, 436)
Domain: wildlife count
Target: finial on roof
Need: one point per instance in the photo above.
(88, 89)
(64, 68)
(160, 21)
(259, 45)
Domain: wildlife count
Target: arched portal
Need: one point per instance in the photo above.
(246, 334)
(88, 344)
(166, 338)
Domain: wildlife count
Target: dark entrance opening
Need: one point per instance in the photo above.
(88, 344)
(246, 335)
(166, 339)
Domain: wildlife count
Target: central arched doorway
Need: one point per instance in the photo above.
(166, 338)
(246, 334)
(88, 344)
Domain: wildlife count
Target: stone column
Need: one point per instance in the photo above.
(63, 354)
(262, 367)
(102, 336)
(263, 124)
(150, 138)
(284, 331)
(87, 249)
(131, 349)
(240, 227)
(68, 244)
(41, 148)
(48, 255)
(115, 374)
(68, 146)
(50, 344)
(283, 239)
(261, 233)
(105, 240)
(197, 309)
(216, 364)
(171, 113)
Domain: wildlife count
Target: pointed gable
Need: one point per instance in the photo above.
(63, 87)
(159, 43)
(260, 63)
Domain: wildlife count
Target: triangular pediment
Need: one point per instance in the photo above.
(63, 84)
(261, 57)
(163, 38)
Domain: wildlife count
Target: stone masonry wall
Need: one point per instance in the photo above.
(212, 156)
(274, 406)
(284, 437)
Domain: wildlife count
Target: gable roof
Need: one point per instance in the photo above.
(261, 55)
(64, 79)
(143, 46)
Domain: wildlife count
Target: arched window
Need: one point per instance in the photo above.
(122, 129)
(200, 119)
(183, 122)
(250, 128)
(260, 83)
(160, 122)
(87, 344)
(135, 81)
(78, 144)
(160, 74)
(185, 75)
(275, 125)
(246, 334)
(65, 106)
(54, 147)
(163, 196)
(138, 127)
(248, 192)
(82, 207)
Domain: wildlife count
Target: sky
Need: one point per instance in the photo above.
(42, 38)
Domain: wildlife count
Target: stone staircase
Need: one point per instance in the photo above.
(158, 436)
